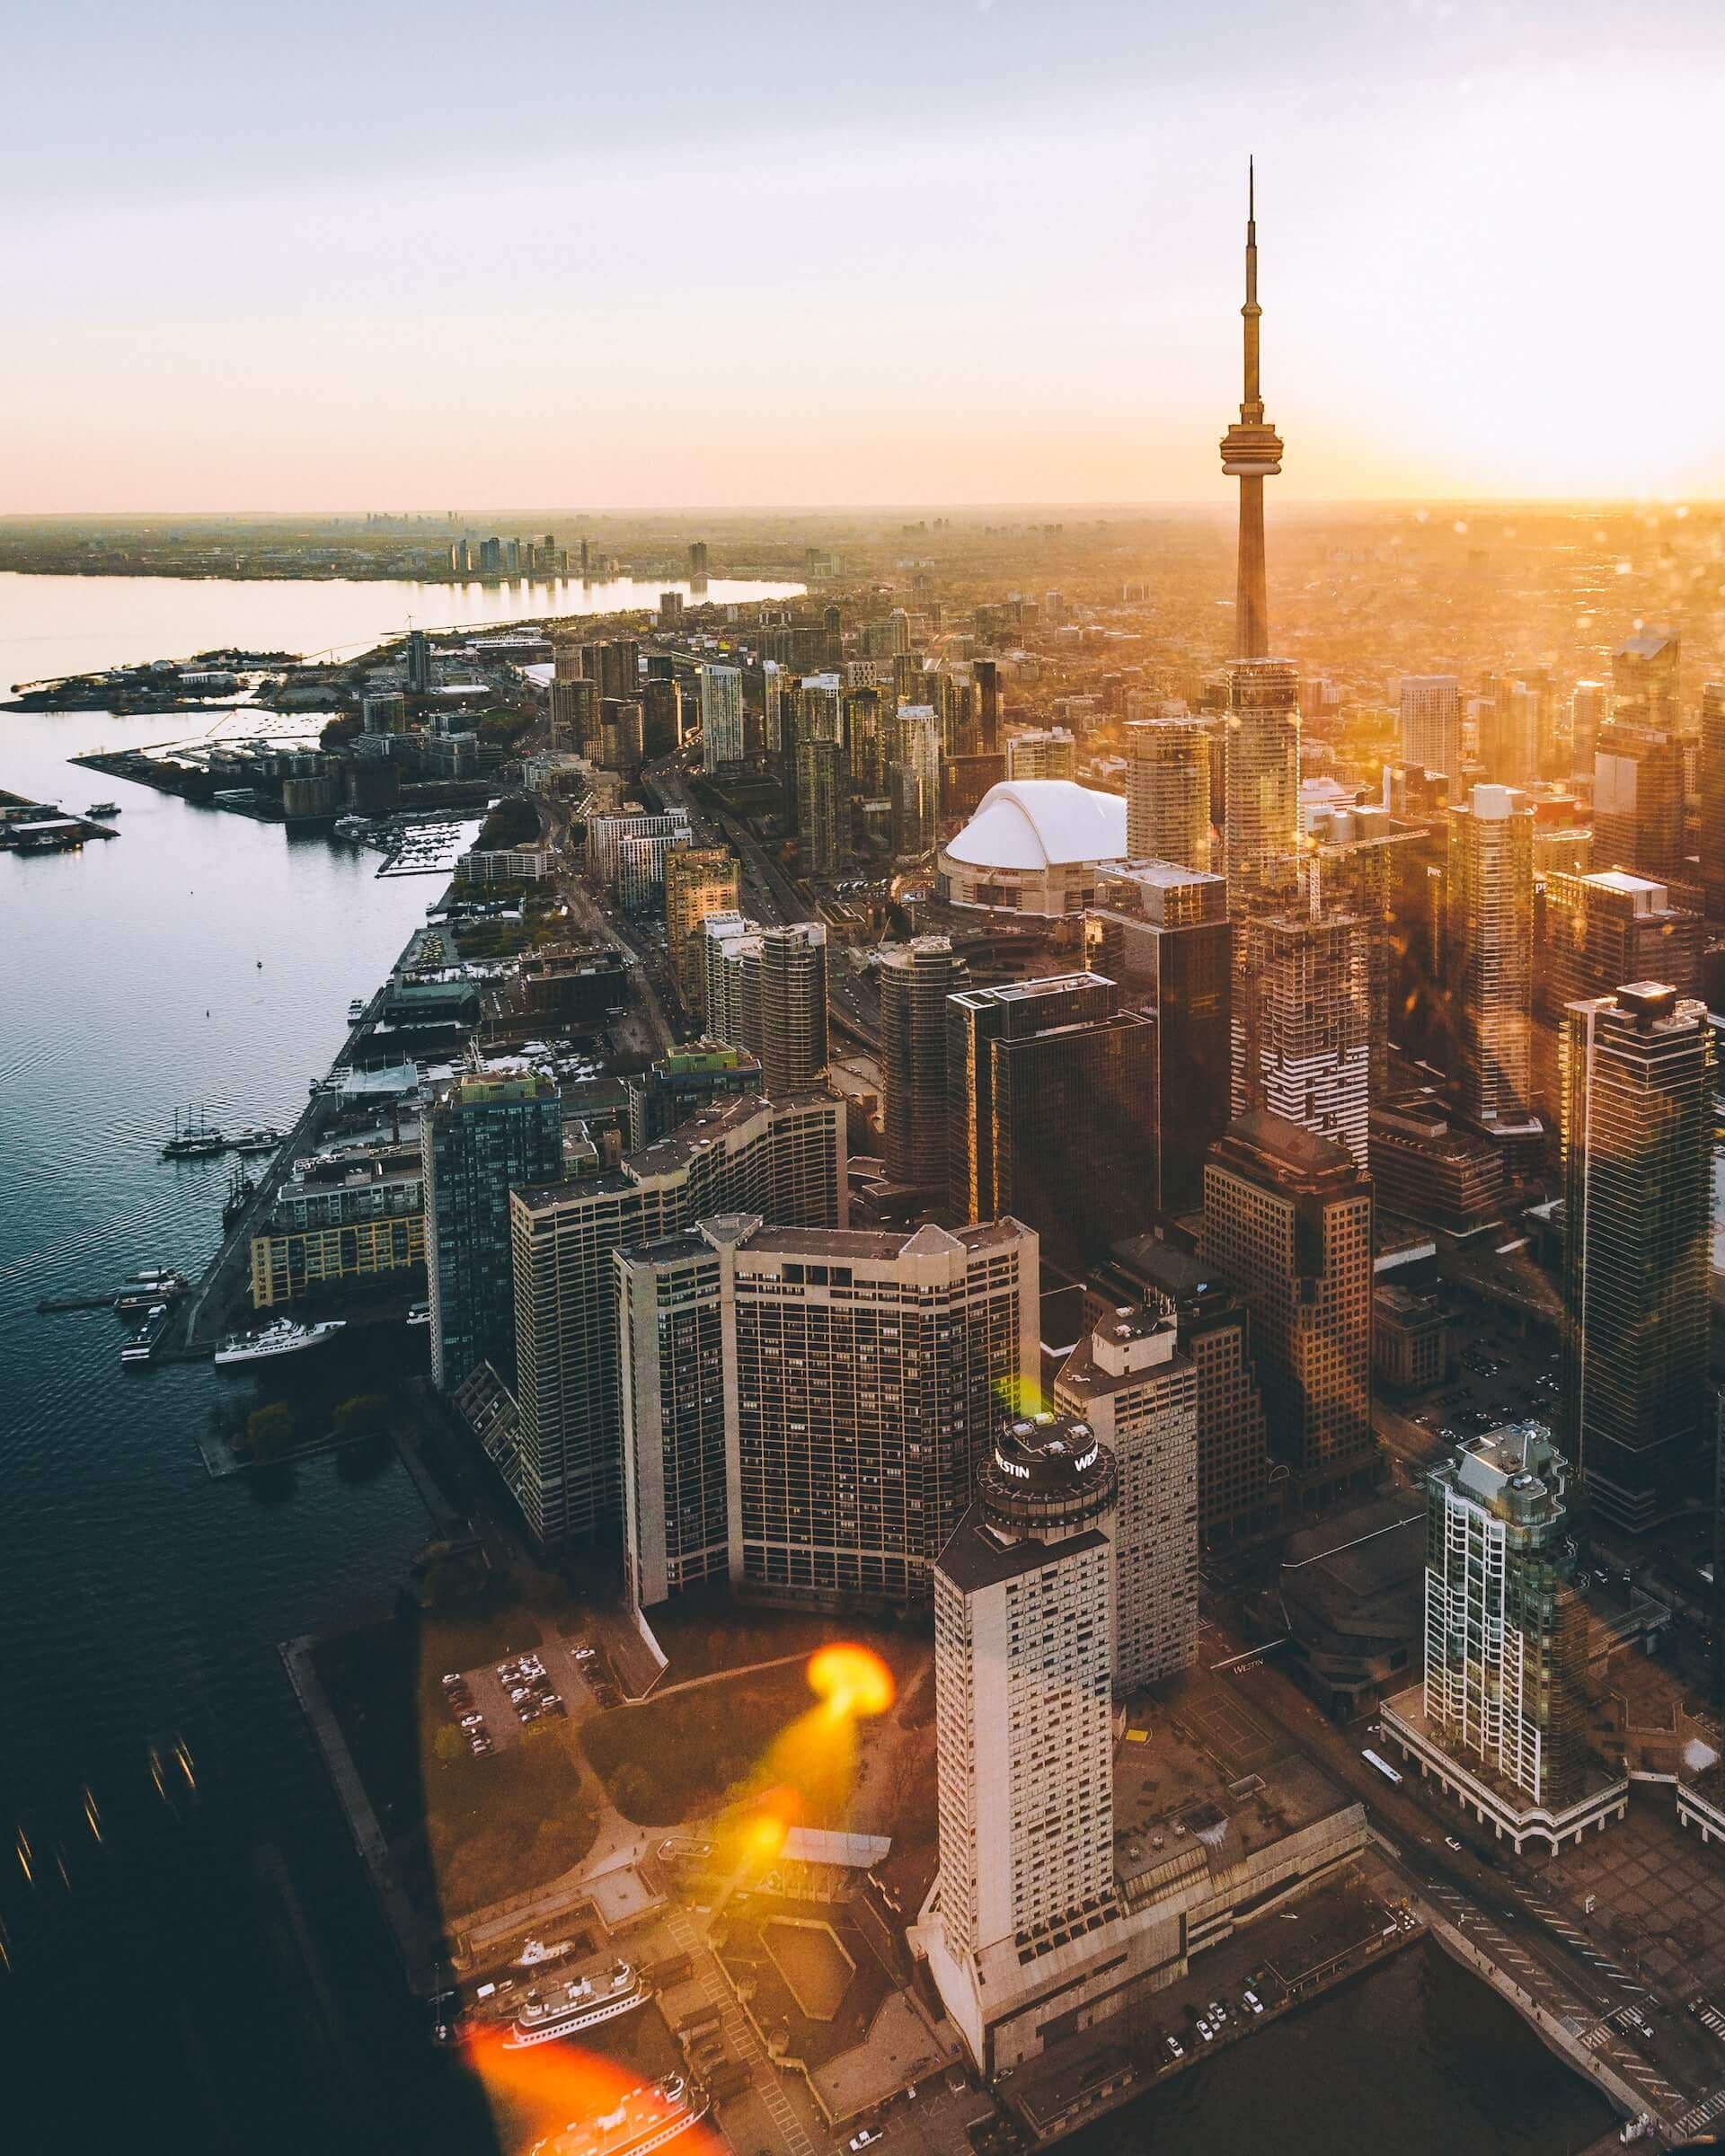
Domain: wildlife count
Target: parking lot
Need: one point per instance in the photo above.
(494, 1704)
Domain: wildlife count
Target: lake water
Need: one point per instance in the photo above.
(55, 625)
(158, 1988)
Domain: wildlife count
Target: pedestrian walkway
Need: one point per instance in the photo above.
(741, 2036)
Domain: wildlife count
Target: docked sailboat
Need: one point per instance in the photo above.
(196, 1138)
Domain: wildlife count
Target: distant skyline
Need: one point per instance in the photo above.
(968, 254)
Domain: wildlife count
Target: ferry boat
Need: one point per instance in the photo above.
(644, 2119)
(102, 809)
(194, 1140)
(144, 1290)
(563, 2010)
(141, 1344)
(419, 1313)
(285, 1337)
(257, 1137)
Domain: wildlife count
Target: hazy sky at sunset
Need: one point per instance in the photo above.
(373, 256)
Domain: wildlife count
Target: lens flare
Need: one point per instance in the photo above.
(566, 2091)
(851, 1680)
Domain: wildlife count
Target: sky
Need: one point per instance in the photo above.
(960, 252)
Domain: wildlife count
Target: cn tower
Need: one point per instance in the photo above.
(1251, 453)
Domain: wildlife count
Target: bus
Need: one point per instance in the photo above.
(1383, 1766)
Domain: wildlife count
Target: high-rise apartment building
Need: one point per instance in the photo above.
(1645, 670)
(1602, 930)
(1510, 731)
(683, 1084)
(792, 1043)
(562, 1457)
(721, 717)
(1637, 1127)
(1168, 792)
(1490, 940)
(1052, 1115)
(1638, 791)
(1239, 1486)
(1163, 933)
(1505, 1694)
(915, 779)
(985, 673)
(1712, 797)
(1261, 838)
(479, 1139)
(1130, 1381)
(1431, 724)
(823, 807)
(804, 1409)
(916, 980)
(1046, 753)
(1024, 1685)
(575, 723)
(606, 835)
(1589, 708)
(662, 716)
(699, 881)
(1288, 1221)
(1302, 1021)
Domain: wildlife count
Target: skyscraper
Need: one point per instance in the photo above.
(1489, 939)
(721, 716)
(561, 1457)
(1166, 938)
(1637, 1126)
(1288, 1221)
(1602, 930)
(1303, 1020)
(1238, 1484)
(793, 1044)
(915, 779)
(480, 1138)
(575, 715)
(823, 807)
(1645, 670)
(1052, 1111)
(1431, 724)
(1252, 452)
(1044, 753)
(699, 881)
(1168, 792)
(1589, 707)
(1261, 838)
(987, 672)
(1638, 789)
(1506, 1666)
(804, 1409)
(916, 980)
(1023, 1692)
(1712, 797)
(1129, 1380)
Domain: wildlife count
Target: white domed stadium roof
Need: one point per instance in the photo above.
(1040, 823)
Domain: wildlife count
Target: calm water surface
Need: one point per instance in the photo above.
(209, 1976)
(53, 626)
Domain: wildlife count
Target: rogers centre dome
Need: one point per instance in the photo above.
(1034, 846)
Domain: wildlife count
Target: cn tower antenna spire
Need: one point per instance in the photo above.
(1252, 452)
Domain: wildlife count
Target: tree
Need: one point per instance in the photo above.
(270, 1432)
(360, 1416)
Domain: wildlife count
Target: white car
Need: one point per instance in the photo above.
(866, 2139)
